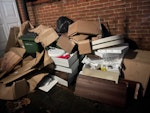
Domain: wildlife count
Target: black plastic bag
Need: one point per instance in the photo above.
(63, 23)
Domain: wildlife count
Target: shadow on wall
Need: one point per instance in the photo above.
(132, 44)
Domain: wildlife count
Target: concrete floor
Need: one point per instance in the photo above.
(62, 100)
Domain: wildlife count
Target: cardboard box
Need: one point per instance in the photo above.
(65, 43)
(84, 27)
(66, 62)
(84, 47)
(137, 68)
(11, 59)
(18, 89)
(25, 69)
(107, 75)
(47, 37)
(13, 38)
(79, 37)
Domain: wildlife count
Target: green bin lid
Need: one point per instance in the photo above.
(30, 36)
(27, 38)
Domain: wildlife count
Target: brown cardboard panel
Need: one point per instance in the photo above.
(33, 81)
(137, 71)
(24, 28)
(25, 69)
(39, 29)
(139, 55)
(47, 37)
(13, 38)
(108, 75)
(47, 60)
(18, 51)
(16, 90)
(84, 27)
(15, 75)
(96, 38)
(65, 43)
(84, 47)
(79, 37)
(11, 59)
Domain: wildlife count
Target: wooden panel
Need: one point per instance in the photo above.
(101, 90)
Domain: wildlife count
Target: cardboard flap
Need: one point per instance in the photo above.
(47, 37)
(10, 60)
(25, 69)
(15, 75)
(15, 91)
(12, 39)
(35, 80)
(79, 37)
(18, 51)
(40, 29)
(24, 28)
(65, 43)
(33, 62)
(84, 27)
(84, 47)
(47, 59)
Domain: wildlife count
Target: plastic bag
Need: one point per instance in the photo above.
(63, 23)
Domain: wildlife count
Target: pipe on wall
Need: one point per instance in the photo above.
(25, 9)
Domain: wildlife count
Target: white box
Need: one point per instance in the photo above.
(108, 44)
(66, 62)
(107, 39)
(69, 79)
(70, 69)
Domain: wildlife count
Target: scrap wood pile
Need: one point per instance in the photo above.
(58, 52)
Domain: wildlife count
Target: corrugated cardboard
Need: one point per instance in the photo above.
(47, 60)
(107, 75)
(39, 29)
(65, 43)
(16, 90)
(25, 69)
(33, 81)
(79, 37)
(84, 27)
(47, 37)
(84, 47)
(139, 55)
(11, 59)
(137, 68)
(13, 38)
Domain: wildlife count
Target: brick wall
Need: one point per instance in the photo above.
(130, 17)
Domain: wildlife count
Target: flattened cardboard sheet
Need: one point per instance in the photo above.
(23, 70)
(16, 90)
